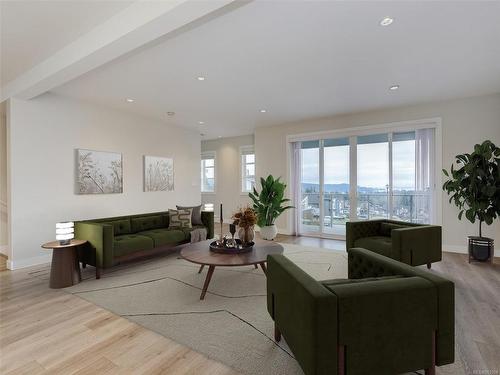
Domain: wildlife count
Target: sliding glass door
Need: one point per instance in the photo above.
(324, 185)
(336, 203)
(364, 177)
(373, 177)
(310, 212)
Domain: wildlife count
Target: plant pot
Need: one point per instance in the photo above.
(268, 232)
(480, 248)
(246, 235)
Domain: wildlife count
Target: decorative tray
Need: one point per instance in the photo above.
(216, 248)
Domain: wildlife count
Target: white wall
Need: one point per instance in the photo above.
(43, 135)
(3, 184)
(464, 123)
(228, 174)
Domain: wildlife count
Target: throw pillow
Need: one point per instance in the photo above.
(195, 216)
(180, 218)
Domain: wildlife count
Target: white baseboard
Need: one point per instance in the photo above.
(280, 230)
(455, 249)
(28, 262)
(284, 231)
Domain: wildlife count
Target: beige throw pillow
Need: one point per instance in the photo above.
(180, 218)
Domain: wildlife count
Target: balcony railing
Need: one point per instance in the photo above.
(410, 207)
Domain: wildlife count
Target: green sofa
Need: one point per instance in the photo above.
(387, 318)
(413, 244)
(113, 240)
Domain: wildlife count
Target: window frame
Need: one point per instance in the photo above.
(246, 150)
(206, 155)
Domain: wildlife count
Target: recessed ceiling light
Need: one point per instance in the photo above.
(394, 87)
(386, 21)
(170, 113)
(220, 136)
(200, 78)
(129, 100)
(201, 122)
(263, 110)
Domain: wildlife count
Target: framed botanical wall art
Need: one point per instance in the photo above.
(158, 173)
(98, 172)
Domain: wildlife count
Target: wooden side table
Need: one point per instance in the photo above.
(65, 268)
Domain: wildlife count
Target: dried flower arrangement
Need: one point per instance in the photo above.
(245, 217)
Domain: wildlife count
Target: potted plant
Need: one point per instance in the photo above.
(475, 189)
(245, 219)
(268, 205)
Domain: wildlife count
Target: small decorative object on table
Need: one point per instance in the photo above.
(231, 248)
(245, 220)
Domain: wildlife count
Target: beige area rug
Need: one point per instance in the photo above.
(231, 325)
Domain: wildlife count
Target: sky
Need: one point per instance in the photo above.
(373, 165)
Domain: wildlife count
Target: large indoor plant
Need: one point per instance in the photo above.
(269, 205)
(474, 187)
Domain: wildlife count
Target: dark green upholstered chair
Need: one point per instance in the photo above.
(113, 240)
(387, 318)
(413, 244)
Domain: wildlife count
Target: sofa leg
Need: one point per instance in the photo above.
(341, 359)
(84, 265)
(432, 370)
(277, 333)
(97, 272)
(429, 265)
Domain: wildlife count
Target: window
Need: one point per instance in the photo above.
(208, 172)
(364, 176)
(247, 168)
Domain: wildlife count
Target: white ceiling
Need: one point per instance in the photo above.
(31, 31)
(304, 59)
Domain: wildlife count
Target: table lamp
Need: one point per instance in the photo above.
(65, 232)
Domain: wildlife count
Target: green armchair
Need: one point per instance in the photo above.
(387, 318)
(413, 244)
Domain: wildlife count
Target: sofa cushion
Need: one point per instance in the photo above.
(165, 236)
(386, 228)
(120, 226)
(130, 243)
(195, 214)
(140, 224)
(180, 218)
(379, 244)
(331, 283)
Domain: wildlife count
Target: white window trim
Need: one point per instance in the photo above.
(209, 155)
(246, 149)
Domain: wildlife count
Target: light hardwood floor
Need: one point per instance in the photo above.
(45, 331)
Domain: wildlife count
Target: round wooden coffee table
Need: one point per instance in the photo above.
(200, 253)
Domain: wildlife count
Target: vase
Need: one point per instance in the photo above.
(246, 235)
(268, 232)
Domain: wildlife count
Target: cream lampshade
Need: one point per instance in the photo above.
(65, 232)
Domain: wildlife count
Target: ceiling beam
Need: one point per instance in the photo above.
(139, 24)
